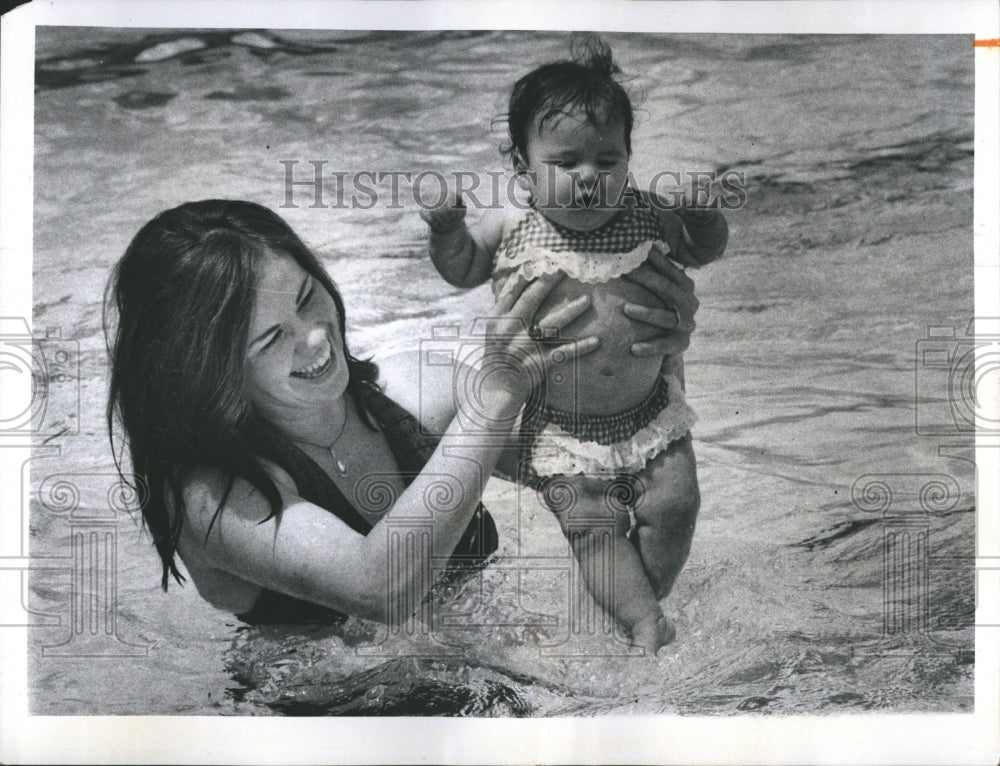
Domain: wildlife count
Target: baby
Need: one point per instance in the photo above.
(615, 429)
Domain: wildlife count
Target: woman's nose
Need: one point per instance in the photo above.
(313, 339)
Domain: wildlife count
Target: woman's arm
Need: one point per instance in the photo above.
(422, 389)
(309, 553)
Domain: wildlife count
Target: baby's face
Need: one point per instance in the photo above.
(576, 170)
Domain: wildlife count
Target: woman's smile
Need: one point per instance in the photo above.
(321, 362)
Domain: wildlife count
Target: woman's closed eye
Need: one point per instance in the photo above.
(270, 337)
(305, 294)
(266, 341)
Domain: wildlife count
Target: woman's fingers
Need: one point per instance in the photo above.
(576, 348)
(672, 343)
(666, 319)
(661, 282)
(658, 272)
(533, 294)
(565, 313)
(524, 297)
(674, 289)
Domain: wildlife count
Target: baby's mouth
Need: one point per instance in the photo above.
(320, 364)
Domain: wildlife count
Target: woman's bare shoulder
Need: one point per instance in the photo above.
(205, 490)
(205, 496)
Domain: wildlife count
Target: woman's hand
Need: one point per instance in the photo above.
(675, 289)
(520, 345)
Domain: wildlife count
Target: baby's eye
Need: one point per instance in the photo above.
(561, 162)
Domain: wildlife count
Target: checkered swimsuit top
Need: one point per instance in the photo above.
(534, 246)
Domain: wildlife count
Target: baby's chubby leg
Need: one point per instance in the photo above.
(666, 513)
(596, 532)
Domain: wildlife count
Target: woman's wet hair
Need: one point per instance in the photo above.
(183, 296)
(588, 84)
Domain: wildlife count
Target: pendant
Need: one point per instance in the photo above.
(341, 468)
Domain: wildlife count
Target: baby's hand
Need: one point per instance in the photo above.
(698, 216)
(445, 218)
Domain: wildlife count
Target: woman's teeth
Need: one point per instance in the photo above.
(318, 366)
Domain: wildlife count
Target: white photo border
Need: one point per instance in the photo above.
(870, 739)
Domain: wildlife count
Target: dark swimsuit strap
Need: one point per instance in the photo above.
(410, 448)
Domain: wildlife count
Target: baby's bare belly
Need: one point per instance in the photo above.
(611, 379)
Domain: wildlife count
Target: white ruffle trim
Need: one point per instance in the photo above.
(592, 268)
(559, 452)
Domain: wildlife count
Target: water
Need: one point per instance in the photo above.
(856, 237)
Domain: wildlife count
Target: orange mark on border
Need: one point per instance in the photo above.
(994, 43)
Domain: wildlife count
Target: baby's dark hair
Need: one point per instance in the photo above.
(586, 84)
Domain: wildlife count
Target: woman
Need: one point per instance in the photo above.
(258, 434)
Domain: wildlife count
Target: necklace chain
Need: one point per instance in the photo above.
(338, 463)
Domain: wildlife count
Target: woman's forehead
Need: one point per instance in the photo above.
(278, 274)
(277, 285)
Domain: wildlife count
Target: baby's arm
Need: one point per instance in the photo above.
(704, 234)
(463, 258)
(696, 236)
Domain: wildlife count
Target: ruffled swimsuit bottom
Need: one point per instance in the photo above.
(555, 442)
(568, 443)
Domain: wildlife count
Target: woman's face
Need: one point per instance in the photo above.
(295, 356)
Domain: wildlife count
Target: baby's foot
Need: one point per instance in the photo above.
(652, 633)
